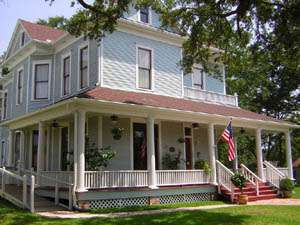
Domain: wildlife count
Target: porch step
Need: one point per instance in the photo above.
(265, 192)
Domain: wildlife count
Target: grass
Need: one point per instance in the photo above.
(297, 192)
(157, 207)
(240, 215)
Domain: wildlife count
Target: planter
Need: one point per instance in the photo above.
(243, 199)
(286, 194)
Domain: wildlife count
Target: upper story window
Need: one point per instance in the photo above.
(83, 67)
(144, 14)
(22, 40)
(144, 68)
(20, 76)
(41, 81)
(66, 72)
(198, 78)
(4, 115)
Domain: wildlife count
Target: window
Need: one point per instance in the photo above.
(66, 75)
(22, 40)
(144, 14)
(198, 78)
(41, 81)
(19, 86)
(4, 106)
(144, 68)
(83, 63)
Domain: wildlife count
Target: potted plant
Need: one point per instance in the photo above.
(286, 187)
(239, 180)
(117, 133)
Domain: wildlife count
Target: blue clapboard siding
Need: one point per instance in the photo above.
(119, 66)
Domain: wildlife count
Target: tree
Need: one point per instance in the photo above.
(54, 22)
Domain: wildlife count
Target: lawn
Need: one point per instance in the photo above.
(241, 215)
(297, 192)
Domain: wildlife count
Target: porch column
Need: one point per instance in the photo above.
(41, 148)
(259, 155)
(80, 131)
(236, 160)
(22, 149)
(289, 153)
(151, 153)
(212, 153)
(10, 148)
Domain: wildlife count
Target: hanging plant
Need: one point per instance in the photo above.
(117, 133)
(181, 140)
(5, 71)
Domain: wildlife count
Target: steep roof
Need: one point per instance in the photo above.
(41, 32)
(159, 101)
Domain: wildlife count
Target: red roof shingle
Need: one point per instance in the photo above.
(153, 100)
(42, 32)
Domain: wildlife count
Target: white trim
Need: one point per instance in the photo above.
(160, 156)
(48, 141)
(52, 147)
(28, 83)
(149, 16)
(59, 148)
(100, 132)
(224, 79)
(83, 45)
(54, 79)
(131, 147)
(38, 62)
(63, 57)
(17, 85)
(30, 142)
(152, 72)
(100, 63)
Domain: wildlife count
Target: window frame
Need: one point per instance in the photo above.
(203, 78)
(19, 89)
(149, 16)
(63, 57)
(35, 63)
(152, 74)
(83, 46)
(4, 105)
(22, 39)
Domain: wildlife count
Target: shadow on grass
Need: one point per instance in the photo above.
(14, 216)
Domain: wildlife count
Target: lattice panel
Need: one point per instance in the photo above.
(118, 203)
(196, 197)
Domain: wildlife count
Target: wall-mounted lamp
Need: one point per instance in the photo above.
(114, 119)
(195, 126)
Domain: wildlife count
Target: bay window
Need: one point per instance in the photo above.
(41, 81)
(144, 68)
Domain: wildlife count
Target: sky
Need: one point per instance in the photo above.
(31, 10)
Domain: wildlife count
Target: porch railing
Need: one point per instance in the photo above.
(181, 177)
(224, 179)
(273, 175)
(251, 177)
(210, 96)
(110, 179)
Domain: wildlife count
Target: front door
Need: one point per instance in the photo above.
(140, 146)
(188, 148)
(35, 142)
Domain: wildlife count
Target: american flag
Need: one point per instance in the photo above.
(228, 137)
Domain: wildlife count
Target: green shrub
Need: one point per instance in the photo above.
(239, 180)
(286, 184)
(203, 165)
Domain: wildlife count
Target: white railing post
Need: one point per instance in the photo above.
(3, 180)
(56, 191)
(32, 194)
(24, 191)
(70, 195)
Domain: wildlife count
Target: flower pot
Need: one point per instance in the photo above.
(286, 194)
(243, 199)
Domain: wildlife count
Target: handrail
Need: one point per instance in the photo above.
(224, 179)
(274, 168)
(252, 177)
(273, 175)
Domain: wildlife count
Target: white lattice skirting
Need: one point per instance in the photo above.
(142, 201)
